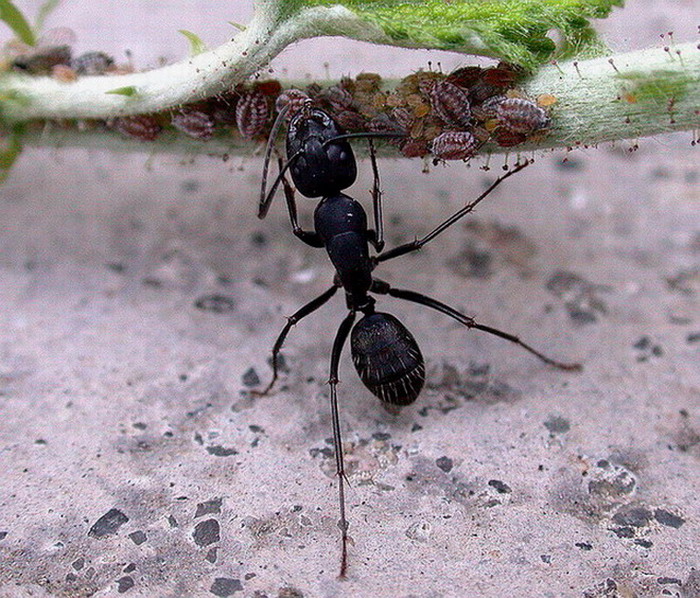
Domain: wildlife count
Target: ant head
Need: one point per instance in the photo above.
(322, 166)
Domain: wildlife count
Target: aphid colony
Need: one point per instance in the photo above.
(449, 116)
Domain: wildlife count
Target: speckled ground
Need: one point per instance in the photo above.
(140, 299)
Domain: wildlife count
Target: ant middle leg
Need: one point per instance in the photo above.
(384, 288)
(418, 243)
(307, 309)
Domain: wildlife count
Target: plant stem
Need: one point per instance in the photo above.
(627, 96)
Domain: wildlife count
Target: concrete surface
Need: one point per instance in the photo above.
(140, 299)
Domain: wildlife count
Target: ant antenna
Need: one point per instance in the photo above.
(369, 134)
(265, 199)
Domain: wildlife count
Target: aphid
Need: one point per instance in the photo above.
(350, 120)
(337, 98)
(194, 123)
(251, 114)
(449, 102)
(41, 60)
(294, 98)
(92, 63)
(141, 126)
(454, 145)
(385, 354)
(520, 115)
(63, 73)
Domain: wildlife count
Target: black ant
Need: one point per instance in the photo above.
(386, 356)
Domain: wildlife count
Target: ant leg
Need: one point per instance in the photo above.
(340, 339)
(418, 243)
(309, 308)
(309, 237)
(376, 236)
(383, 288)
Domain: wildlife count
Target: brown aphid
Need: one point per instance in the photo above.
(383, 123)
(347, 83)
(454, 145)
(503, 76)
(63, 73)
(41, 60)
(270, 87)
(465, 76)
(142, 126)
(521, 116)
(449, 102)
(294, 98)
(336, 97)
(403, 117)
(223, 109)
(351, 121)
(92, 63)
(414, 149)
(252, 114)
(507, 138)
(194, 123)
(368, 82)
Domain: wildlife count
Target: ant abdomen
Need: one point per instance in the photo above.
(387, 359)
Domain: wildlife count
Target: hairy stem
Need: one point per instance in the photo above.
(627, 96)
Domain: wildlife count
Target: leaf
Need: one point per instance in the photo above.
(10, 151)
(15, 19)
(511, 30)
(197, 46)
(47, 7)
(130, 91)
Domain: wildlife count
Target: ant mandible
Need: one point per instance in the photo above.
(386, 356)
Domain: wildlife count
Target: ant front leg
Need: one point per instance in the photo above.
(376, 236)
(418, 243)
(309, 237)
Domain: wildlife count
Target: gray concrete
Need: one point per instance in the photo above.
(133, 460)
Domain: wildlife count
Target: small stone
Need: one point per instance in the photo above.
(632, 516)
(206, 532)
(668, 519)
(217, 304)
(125, 583)
(108, 524)
(221, 451)
(225, 586)
(250, 378)
(501, 487)
(208, 507)
(444, 463)
(557, 425)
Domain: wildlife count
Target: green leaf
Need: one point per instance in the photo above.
(47, 7)
(511, 30)
(15, 19)
(130, 91)
(197, 46)
(9, 151)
